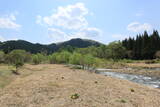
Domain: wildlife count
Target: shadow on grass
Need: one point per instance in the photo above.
(15, 72)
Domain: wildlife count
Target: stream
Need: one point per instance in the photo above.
(140, 79)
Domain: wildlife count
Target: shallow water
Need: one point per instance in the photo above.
(149, 81)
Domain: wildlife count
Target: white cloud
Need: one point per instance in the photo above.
(138, 27)
(59, 35)
(8, 22)
(69, 17)
(2, 38)
(89, 32)
(68, 22)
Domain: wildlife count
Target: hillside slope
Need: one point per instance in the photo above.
(8, 46)
(53, 85)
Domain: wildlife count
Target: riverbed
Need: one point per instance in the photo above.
(140, 79)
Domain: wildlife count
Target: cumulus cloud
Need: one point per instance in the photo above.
(56, 33)
(69, 17)
(137, 27)
(8, 22)
(68, 22)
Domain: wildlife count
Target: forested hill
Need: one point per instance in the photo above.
(8, 46)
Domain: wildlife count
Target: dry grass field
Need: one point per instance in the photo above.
(48, 85)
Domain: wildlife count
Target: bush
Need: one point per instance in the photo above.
(99, 62)
(2, 57)
(53, 58)
(35, 59)
(126, 61)
(150, 61)
(115, 50)
(88, 60)
(16, 58)
(28, 57)
(38, 58)
(64, 57)
(60, 57)
(76, 59)
(75, 96)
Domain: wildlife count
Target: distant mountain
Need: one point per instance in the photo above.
(79, 43)
(8, 46)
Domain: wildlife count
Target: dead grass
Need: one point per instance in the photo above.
(6, 75)
(47, 88)
(143, 65)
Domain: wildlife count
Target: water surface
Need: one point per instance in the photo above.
(146, 80)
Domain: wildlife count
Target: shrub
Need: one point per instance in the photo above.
(76, 59)
(75, 96)
(28, 57)
(123, 101)
(35, 59)
(60, 57)
(150, 61)
(64, 57)
(99, 62)
(132, 90)
(53, 58)
(115, 50)
(88, 60)
(2, 57)
(38, 58)
(16, 58)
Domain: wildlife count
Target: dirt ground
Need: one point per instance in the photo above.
(141, 69)
(53, 85)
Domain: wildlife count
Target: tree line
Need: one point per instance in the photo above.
(87, 57)
(144, 46)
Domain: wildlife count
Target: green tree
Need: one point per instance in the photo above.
(115, 50)
(88, 60)
(53, 58)
(76, 58)
(2, 57)
(16, 58)
(63, 57)
(38, 58)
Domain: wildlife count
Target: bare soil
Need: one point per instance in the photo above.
(142, 69)
(53, 85)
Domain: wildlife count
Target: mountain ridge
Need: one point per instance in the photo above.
(8, 46)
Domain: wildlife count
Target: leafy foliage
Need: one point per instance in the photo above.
(76, 58)
(38, 58)
(17, 58)
(2, 57)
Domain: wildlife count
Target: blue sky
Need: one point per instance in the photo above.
(48, 21)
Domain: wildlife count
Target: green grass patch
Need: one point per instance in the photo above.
(6, 76)
(75, 96)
